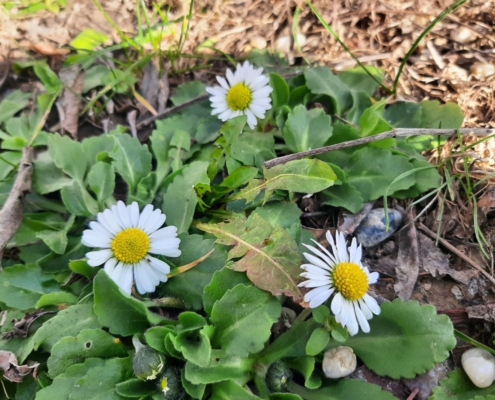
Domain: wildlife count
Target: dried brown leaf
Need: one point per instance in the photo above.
(14, 372)
(70, 101)
(407, 268)
(21, 327)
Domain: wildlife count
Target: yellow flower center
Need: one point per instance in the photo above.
(350, 280)
(164, 385)
(131, 245)
(239, 97)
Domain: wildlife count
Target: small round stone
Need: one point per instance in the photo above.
(479, 365)
(339, 362)
(373, 229)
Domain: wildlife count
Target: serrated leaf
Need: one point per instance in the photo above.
(23, 285)
(458, 386)
(345, 389)
(136, 388)
(253, 148)
(180, 200)
(372, 170)
(194, 346)
(68, 155)
(307, 129)
(228, 390)
(264, 250)
(321, 80)
(68, 322)
(123, 315)
(188, 91)
(222, 281)
(243, 318)
(221, 368)
(301, 176)
(101, 180)
(13, 103)
(345, 195)
(78, 200)
(131, 160)
(88, 343)
(417, 333)
(189, 286)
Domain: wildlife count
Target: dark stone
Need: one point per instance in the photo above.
(373, 229)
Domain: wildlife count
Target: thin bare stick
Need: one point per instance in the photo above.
(395, 133)
(462, 256)
(171, 111)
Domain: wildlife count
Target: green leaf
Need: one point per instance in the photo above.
(195, 347)
(228, 390)
(222, 281)
(321, 80)
(280, 94)
(98, 148)
(136, 388)
(89, 39)
(56, 298)
(239, 177)
(292, 343)
(189, 286)
(68, 322)
(68, 155)
(78, 200)
(221, 368)
(306, 366)
(422, 337)
(57, 240)
(188, 91)
(122, 314)
(50, 79)
(344, 389)
(317, 342)
(359, 80)
(47, 177)
(243, 318)
(195, 391)
(306, 130)
(372, 170)
(208, 130)
(372, 123)
(253, 148)
(101, 180)
(81, 267)
(426, 178)
(155, 337)
(302, 176)
(458, 386)
(132, 160)
(22, 286)
(403, 115)
(13, 103)
(264, 250)
(280, 214)
(345, 195)
(88, 343)
(445, 116)
(180, 200)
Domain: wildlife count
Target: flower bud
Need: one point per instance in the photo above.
(339, 362)
(277, 377)
(169, 384)
(147, 362)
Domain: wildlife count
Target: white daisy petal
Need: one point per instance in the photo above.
(99, 257)
(318, 296)
(156, 220)
(365, 309)
(316, 261)
(372, 304)
(336, 305)
(92, 238)
(351, 323)
(110, 266)
(133, 211)
(373, 277)
(361, 319)
(107, 219)
(251, 119)
(127, 238)
(223, 83)
(230, 77)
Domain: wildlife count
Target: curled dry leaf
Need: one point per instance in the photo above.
(407, 268)
(11, 213)
(482, 311)
(14, 372)
(21, 327)
(70, 101)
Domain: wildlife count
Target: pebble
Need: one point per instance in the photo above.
(481, 70)
(479, 365)
(373, 229)
(282, 44)
(463, 35)
(301, 40)
(339, 362)
(258, 43)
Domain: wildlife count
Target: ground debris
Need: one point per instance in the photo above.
(14, 372)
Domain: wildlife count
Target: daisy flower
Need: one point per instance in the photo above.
(245, 92)
(340, 272)
(126, 238)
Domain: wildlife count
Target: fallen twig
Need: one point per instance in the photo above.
(11, 213)
(171, 111)
(395, 133)
(459, 254)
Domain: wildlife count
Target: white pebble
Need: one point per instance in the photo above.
(479, 365)
(339, 362)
